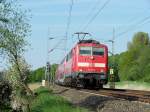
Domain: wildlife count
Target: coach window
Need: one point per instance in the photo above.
(67, 58)
(86, 51)
(98, 51)
(62, 61)
(70, 55)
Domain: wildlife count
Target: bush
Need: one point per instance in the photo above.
(5, 92)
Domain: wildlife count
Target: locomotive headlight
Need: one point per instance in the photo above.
(102, 70)
(80, 70)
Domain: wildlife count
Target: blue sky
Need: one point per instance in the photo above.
(49, 18)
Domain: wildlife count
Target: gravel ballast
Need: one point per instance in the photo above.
(97, 103)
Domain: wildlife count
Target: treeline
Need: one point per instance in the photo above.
(134, 64)
(39, 74)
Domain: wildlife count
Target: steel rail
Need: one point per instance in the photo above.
(131, 95)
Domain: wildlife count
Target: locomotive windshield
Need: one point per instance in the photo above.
(88, 51)
(98, 51)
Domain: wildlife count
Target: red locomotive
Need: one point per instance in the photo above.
(85, 65)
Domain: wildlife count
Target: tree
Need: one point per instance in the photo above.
(12, 42)
(13, 33)
(134, 63)
(38, 74)
(20, 95)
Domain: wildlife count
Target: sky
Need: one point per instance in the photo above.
(49, 20)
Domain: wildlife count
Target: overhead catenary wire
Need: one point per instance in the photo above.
(95, 15)
(56, 45)
(145, 23)
(134, 25)
(65, 38)
(69, 17)
(141, 22)
(94, 7)
(91, 20)
(92, 10)
(68, 23)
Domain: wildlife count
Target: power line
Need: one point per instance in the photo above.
(69, 17)
(56, 45)
(92, 10)
(145, 23)
(134, 26)
(68, 22)
(96, 14)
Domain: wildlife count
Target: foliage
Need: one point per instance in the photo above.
(38, 74)
(20, 96)
(14, 29)
(13, 75)
(53, 69)
(5, 93)
(113, 65)
(46, 101)
(134, 64)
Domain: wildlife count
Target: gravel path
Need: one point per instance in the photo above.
(100, 103)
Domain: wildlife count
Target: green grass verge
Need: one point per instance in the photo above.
(46, 101)
(146, 84)
(133, 85)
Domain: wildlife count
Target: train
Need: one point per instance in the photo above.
(86, 65)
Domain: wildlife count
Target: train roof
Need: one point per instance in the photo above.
(88, 41)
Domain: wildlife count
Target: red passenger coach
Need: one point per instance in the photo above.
(85, 65)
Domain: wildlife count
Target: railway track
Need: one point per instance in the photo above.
(131, 95)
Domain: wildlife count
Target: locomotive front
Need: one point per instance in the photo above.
(92, 63)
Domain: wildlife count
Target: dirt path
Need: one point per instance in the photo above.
(34, 86)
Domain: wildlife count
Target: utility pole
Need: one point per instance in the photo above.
(112, 75)
(48, 66)
(83, 34)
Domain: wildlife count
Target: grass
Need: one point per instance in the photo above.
(133, 85)
(133, 82)
(46, 101)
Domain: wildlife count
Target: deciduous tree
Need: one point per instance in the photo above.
(13, 32)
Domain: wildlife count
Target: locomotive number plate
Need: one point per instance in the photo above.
(91, 64)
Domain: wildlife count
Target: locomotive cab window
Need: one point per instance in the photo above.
(98, 51)
(85, 51)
